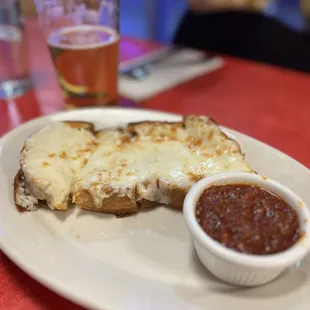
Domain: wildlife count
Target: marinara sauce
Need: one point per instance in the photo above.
(248, 219)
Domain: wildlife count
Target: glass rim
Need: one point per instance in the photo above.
(83, 13)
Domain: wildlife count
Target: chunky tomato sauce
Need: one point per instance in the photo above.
(248, 219)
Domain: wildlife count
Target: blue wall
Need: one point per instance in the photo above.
(133, 18)
(169, 14)
(153, 19)
(158, 19)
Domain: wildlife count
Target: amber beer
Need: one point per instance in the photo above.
(86, 59)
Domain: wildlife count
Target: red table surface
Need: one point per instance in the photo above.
(270, 104)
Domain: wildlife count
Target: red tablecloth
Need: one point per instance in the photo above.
(268, 103)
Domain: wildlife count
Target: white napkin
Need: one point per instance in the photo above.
(177, 67)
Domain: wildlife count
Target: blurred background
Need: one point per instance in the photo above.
(158, 19)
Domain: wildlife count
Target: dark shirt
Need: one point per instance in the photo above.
(248, 35)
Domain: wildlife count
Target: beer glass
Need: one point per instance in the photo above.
(83, 39)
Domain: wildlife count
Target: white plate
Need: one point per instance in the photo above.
(141, 262)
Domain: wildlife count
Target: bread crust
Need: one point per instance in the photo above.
(120, 206)
(19, 178)
(20, 181)
(81, 125)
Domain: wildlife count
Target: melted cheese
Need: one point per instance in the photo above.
(158, 158)
(144, 161)
(51, 160)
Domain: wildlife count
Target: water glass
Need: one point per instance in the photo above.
(14, 77)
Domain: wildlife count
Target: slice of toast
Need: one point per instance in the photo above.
(151, 163)
(50, 162)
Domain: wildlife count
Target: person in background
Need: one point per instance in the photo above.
(305, 7)
(241, 28)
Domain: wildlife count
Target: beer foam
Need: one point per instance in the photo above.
(83, 37)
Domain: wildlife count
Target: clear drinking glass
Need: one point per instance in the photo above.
(14, 78)
(83, 38)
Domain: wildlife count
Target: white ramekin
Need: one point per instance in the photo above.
(238, 268)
